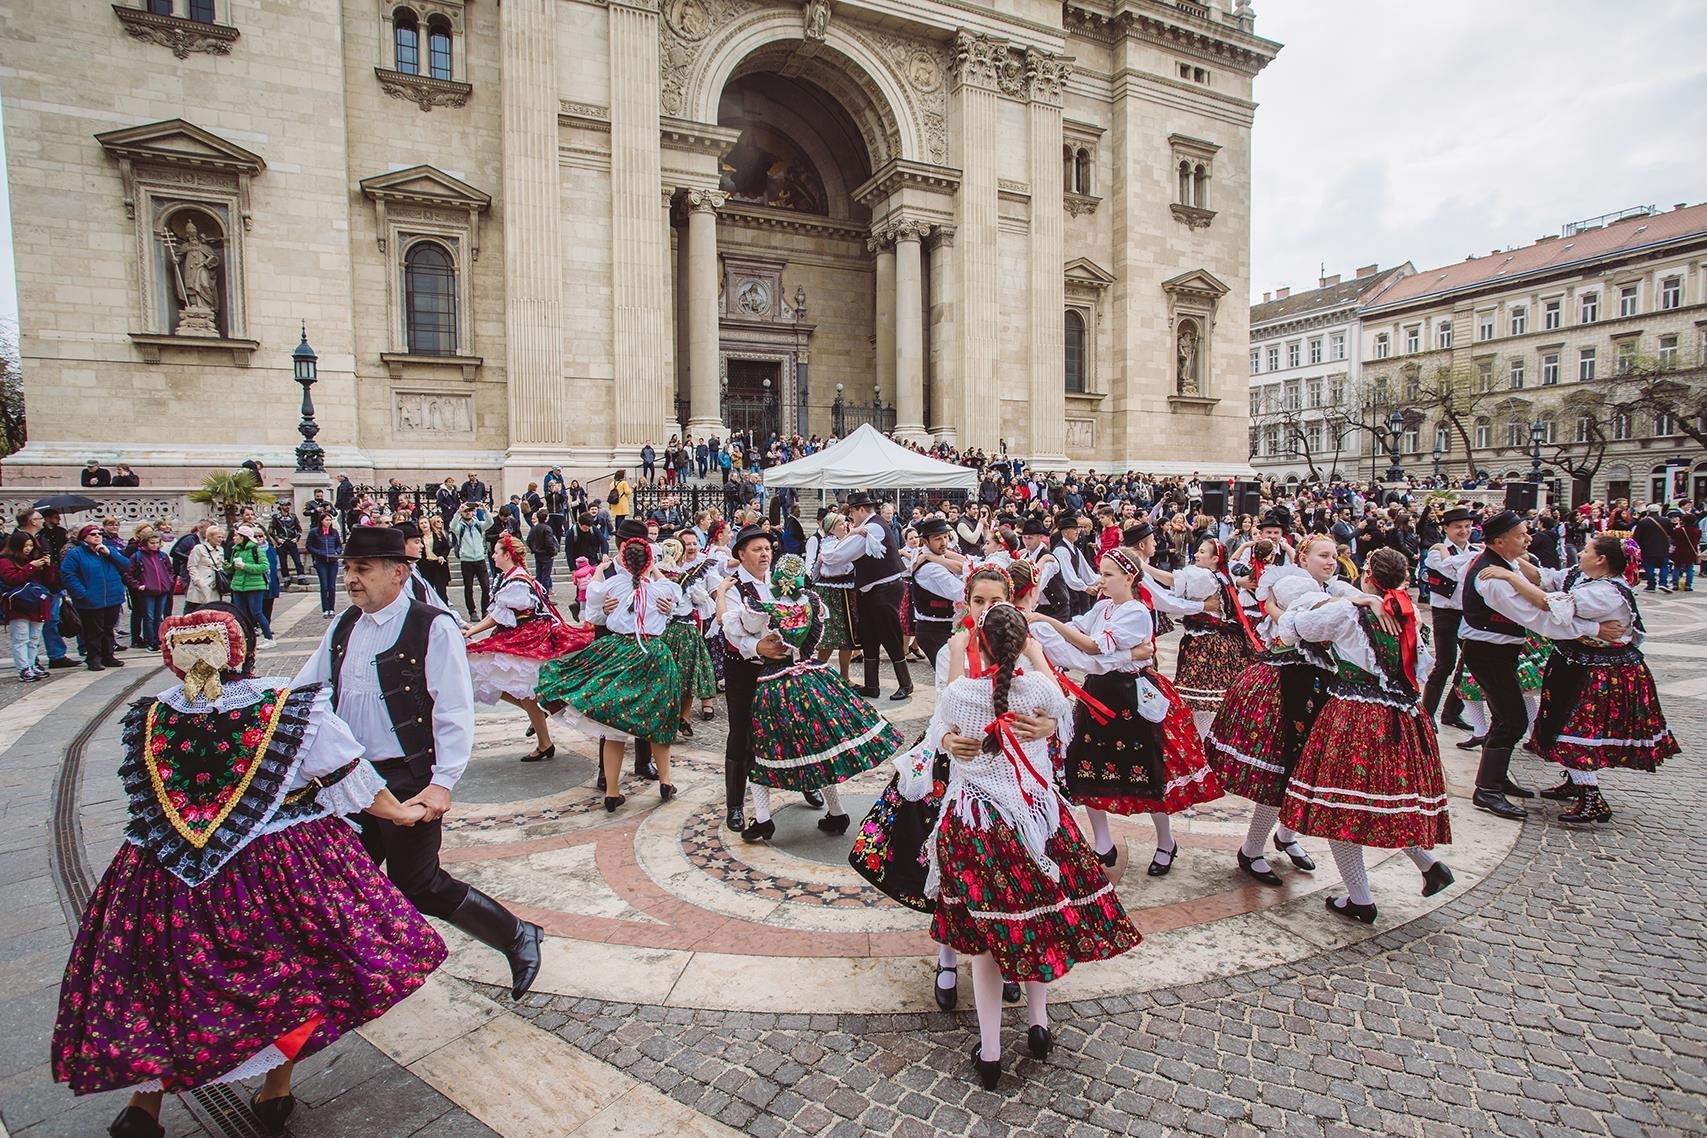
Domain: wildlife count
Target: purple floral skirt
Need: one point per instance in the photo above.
(185, 985)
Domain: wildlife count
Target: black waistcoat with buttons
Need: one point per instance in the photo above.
(402, 672)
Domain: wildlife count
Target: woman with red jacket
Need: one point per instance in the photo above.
(26, 596)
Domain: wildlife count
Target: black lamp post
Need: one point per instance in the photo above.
(1395, 424)
(838, 414)
(1537, 431)
(310, 459)
(801, 383)
(1438, 452)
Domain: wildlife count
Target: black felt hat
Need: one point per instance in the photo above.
(1458, 514)
(1136, 534)
(931, 527)
(375, 542)
(752, 533)
(1501, 523)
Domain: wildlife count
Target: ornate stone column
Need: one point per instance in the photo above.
(944, 352)
(644, 396)
(1046, 75)
(909, 331)
(882, 243)
(704, 392)
(980, 64)
(539, 399)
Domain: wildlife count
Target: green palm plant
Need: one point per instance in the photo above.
(230, 493)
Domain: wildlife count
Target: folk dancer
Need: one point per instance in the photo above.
(1078, 569)
(829, 562)
(399, 676)
(597, 609)
(237, 855)
(938, 587)
(878, 576)
(1054, 600)
(414, 543)
(697, 576)
(1443, 570)
(1599, 707)
(1215, 647)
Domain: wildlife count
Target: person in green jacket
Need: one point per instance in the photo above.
(249, 579)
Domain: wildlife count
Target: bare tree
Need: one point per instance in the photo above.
(11, 389)
(1582, 454)
(1456, 397)
(1671, 386)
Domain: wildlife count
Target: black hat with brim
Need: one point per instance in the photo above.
(932, 527)
(751, 533)
(1500, 524)
(861, 498)
(1136, 534)
(375, 542)
(408, 530)
(1458, 514)
(629, 529)
(1034, 527)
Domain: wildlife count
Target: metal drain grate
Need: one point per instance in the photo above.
(222, 1112)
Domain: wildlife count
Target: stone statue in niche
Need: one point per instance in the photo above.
(1188, 346)
(195, 280)
(817, 19)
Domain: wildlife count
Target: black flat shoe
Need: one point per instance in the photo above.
(134, 1122)
(1109, 858)
(1458, 723)
(903, 694)
(273, 1113)
(735, 821)
(759, 831)
(1341, 907)
(1160, 868)
(1496, 803)
(813, 799)
(1247, 866)
(706, 715)
(1010, 992)
(684, 729)
(1296, 854)
(833, 823)
(541, 756)
(946, 998)
(989, 1072)
(1040, 1042)
(1436, 877)
(666, 791)
(1472, 743)
(647, 771)
(1512, 790)
(1564, 792)
(612, 803)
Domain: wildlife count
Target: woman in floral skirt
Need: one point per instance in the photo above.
(526, 631)
(695, 576)
(1216, 646)
(1017, 888)
(1370, 773)
(241, 927)
(625, 685)
(811, 730)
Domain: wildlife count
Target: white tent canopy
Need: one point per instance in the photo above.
(866, 460)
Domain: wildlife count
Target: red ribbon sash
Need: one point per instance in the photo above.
(1397, 603)
(1002, 728)
(1099, 710)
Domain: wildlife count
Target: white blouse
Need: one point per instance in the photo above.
(513, 599)
(1336, 621)
(1594, 599)
(649, 621)
(1116, 627)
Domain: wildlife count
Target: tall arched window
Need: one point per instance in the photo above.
(1200, 186)
(429, 294)
(438, 48)
(407, 35)
(1082, 171)
(1185, 183)
(1075, 351)
(1067, 175)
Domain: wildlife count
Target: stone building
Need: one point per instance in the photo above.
(548, 231)
(1306, 352)
(1586, 346)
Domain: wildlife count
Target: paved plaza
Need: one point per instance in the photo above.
(695, 985)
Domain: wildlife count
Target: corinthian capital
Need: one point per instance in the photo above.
(979, 61)
(705, 201)
(1046, 75)
(908, 229)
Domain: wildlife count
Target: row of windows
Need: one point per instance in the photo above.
(1313, 394)
(1295, 353)
(1629, 298)
(406, 32)
(1274, 441)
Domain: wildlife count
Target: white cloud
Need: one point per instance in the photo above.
(1391, 131)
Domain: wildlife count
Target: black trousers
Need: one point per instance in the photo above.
(740, 678)
(880, 627)
(473, 571)
(97, 638)
(1446, 624)
(410, 854)
(932, 635)
(1494, 667)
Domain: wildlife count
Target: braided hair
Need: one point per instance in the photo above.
(1023, 574)
(1003, 634)
(1388, 568)
(636, 558)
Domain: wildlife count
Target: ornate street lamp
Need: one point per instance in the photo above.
(1537, 432)
(310, 458)
(1395, 424)
(801, 383)
(838, 414)
(1438, 452)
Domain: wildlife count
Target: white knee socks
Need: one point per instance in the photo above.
(1532, 705)
(1263, 819)
(761, 802)
(987, 997)
(1422, 859)
(1476, 715)
(832, 798)
(1104, 840)
(1348, 856)
(1164, 837)
(1037, 1002)
(1584, 778)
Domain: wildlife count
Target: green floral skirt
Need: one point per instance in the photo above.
(693, 661)
(616, 688)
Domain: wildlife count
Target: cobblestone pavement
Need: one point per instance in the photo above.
(1565, 995)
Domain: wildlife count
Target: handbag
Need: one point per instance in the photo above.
(28, 595)
(1152, 704)
(70, 623)
(221, 581)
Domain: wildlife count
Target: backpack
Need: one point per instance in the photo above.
(613, 497)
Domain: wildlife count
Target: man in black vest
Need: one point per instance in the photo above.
(1492, 641)
(1077, 561)
(1052, 598)
(937, 588)
(1443, 566)
(399, 677)
(879, 577)
(419, 587)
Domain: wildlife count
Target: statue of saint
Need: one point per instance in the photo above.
(817, 19)
(195, 264)
(1188, 384)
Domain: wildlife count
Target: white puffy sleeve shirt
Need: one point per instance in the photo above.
(647, 621)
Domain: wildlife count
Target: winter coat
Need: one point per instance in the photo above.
(94, 580)
(248, 568)
(16, 573)
(152, 573)
(325, 545)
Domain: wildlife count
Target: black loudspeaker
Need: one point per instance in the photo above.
(1215, 499)
(1247, 499)
(1522, 497)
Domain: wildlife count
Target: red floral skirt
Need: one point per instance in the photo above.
(1261, 728)
(1369, 774)
(1210, 664)
(996, 899)
(1598, 717)
(538, 639)
(1190, 779)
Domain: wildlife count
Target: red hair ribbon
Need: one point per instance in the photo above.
(1230, 599)
(1397, 603)
(1002, 728)
(1256, 574)
(1221, 559)
(1099, 710)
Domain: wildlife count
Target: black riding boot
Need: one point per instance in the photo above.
(491, 924)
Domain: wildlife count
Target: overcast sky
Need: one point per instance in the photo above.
(1427, 130)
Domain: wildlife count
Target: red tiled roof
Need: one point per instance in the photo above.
(1553, 254)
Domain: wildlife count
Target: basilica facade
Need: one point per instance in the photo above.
(547, 232)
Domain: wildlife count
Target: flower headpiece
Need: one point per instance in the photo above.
(788, 575)
(198, 647)
(513, 548)
(1119, 557)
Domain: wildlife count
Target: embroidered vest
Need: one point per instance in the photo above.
(1478, 614)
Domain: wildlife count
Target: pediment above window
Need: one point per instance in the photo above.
(1197, 284)
(419, 193)
(182, 152)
